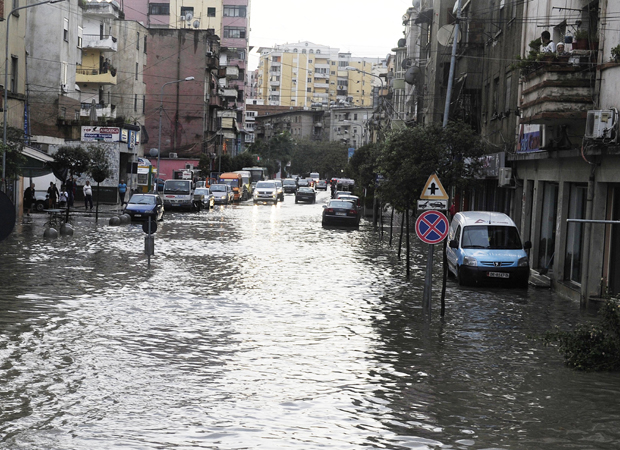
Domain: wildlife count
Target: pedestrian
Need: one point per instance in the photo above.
(547, 42)
(29, 198)
(122, 189)
(88, 195)
(53, 193)
(62, 198)
(70, 186)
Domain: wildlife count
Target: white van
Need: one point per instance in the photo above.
(179, 194)
(486, 246)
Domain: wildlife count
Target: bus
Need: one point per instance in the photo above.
(258, 174)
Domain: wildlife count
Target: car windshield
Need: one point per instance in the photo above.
(304, 182)
(491, 237)
(278, 183)
(265, 184)
(232, 182)
(289, 182)
(202, 191)
(176, 187)
(341, 204)
(218, 188)
(307, 190)
(140, 199)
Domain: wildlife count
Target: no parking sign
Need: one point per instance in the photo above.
(432, 227)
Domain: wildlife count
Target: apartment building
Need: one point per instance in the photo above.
(308, 75)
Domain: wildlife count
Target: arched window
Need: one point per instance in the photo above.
(318, 52)
(311, 51)
(295, 51)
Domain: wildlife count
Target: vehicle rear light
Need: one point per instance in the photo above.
(353, 211)
(330, 210)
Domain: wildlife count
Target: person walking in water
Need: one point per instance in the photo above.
(122, 189)
(88, 195)
(53, 193)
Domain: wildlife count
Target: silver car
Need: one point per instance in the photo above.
(222, 194)
(266, 192)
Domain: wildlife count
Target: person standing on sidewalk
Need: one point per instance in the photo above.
(122, 189)
(29, 198)
(88, 195)
(70, 186)
(53, 193)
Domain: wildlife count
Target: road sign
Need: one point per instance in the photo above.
(432, 227)
(149, 226)
(427, 205)
(433, 190)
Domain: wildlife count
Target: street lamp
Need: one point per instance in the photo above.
(6, 82)
(161, 111)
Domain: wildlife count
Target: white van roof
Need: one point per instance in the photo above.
(484, 218)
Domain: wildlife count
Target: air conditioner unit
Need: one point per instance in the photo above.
(505, 177)
(602, 124)
(173, 155)
(189, 166)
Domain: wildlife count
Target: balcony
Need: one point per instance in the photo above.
(95, 76)
(104, 43)
(274, 83)
(232, 72)
(557, 93)
(321, 85)
(107, 111)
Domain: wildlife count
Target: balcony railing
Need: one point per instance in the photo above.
(95, 76)
(105, 110)
(558, 92)
(97, 42)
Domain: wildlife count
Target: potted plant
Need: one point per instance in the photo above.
(615, 54)
(581, 40)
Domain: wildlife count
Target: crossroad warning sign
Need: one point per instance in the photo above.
(433, 190)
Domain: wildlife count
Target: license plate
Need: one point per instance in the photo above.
(137, 215)
(341, 214)
(498, 275)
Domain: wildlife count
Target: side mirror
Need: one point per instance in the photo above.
(453, 244)
(324, 206)
(527, 245)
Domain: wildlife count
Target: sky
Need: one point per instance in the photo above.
(369, 28)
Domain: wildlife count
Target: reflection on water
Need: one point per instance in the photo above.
(256, 328)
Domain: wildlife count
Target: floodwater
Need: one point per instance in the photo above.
(255, 328)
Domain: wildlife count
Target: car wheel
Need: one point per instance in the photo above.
(39, 207)
(461, 279)
(296, 201)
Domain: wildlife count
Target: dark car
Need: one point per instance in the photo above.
(341, 213)
(289, 185)
(302, 182)
(143, 206)
(321, 184)
(206, 197)
(305, 194)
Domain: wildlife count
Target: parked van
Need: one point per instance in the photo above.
(180, 194)
(486, 246)
(235, 181)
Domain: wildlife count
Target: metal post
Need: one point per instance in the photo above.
(428, 282)
(446, 112)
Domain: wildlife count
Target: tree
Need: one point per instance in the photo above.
(14, 158)
(327, 158)
(70, 161)
(99, 166)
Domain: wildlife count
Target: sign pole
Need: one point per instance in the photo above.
(428, 281)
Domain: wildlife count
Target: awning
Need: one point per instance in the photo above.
(36, 163)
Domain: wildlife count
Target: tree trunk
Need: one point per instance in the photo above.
(400, 240)
(408, 251)
(391, 225)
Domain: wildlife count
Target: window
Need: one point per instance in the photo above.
(65, 31)
(548, 219)
(573, 258)
(309, 89)
(135, 102)
(318, 52)
(144, 44)
(144, 104)
(136, 71)
(159, 9)
(507, 104)
(80, 34)
(309, 80)
(310, 61)
(234, 11)
(210, 12)
(495, 95)
(187, 11)
(234, 32)
(13, 80)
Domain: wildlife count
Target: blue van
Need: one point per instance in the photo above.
(486, 246)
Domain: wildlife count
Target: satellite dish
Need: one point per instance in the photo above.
(188, 16)
(407, 62)
(411, 74)
(196, 23)
(402, 43)
(445, 35)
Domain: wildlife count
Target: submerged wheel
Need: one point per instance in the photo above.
(462, 281)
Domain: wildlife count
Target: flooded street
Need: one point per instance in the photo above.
(255, 327)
